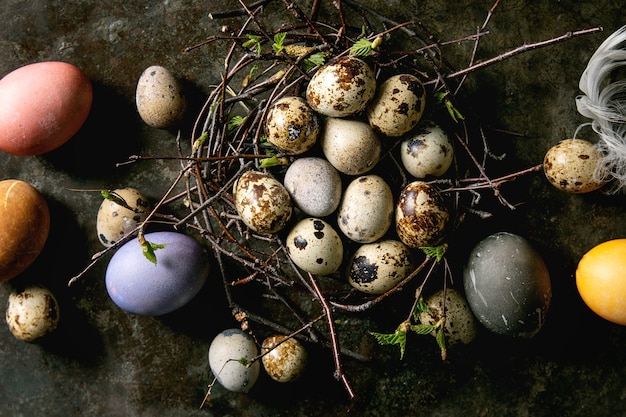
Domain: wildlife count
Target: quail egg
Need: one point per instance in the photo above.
(314, 185)
(231, 355)
(421, 215)
(159, 97)
(262, 202)
(460, 324)
(291, 125)
(570, 165)
(351, 146)
(377, 267)
(366, 210)
(315, 247)
(32, 313)
(427, 152)
(398, 105)
(120, 214)
(342, 87)
(284, 358)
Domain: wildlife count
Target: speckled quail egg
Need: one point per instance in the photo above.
(460, 324)
(377, 267)
(314, 185)
(262, 202)
(32, 313)
(284, 358)
(291, 125)
(428, 151)
(366, 209)
(230, 358)
(120, 214)
(315, 246)
(342, 87)
(570, 165)
(398, 105)
(421, 215)
(351, 146)
(159, 97)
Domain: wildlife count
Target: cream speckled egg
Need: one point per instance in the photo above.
(342, 87)
(230, 355)
(375, 268)
(351, 146)
(427, 152)
(262, 202)
(315, 247)
(159, 97)
(121, 214)
(570, 164)
(32, 313)
(366, 210)
(421, 215)
(460, 325)
(314, 185)
(284, 358)
(291, 125)
(398, 105)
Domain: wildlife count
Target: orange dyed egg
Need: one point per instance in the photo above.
(24, 227)
(42, 106)
(601, 280)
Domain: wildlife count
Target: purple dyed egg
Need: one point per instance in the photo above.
(139, 286)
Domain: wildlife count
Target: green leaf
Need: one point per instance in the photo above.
(424, 328)
(436, 252)
(150, 248)
(279, 40)
(235, 122)
(443, 98)
(244, 361)
(397, 338)
(314, 60)
(200, 141)
(420, 307)
(441, 342)
(362, 47)
(273, 161)
(253, 41)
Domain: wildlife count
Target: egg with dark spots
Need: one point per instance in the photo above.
(460, 324)
(427, 152)
(376, 268)
(315, 246)
(291, 125)
(507, 285)
(120, 214)
(231, 360)
(366, 209)
(284, 358)
(398, 105)
(422, 215)
(32, 313)
(160, 98)
(570, 166)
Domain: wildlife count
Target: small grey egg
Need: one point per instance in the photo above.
(570, 165)
(159, 98)
(291, 125)
(315, 247)
(120, 214)
(284, 358)
(314, 185)
(230, 359)
(351, 146)
(32, 313)
(427, 152)
(460, 324)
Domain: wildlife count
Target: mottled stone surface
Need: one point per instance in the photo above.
(104, 362)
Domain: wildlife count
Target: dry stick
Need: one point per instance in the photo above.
(339, 375)
(237, 12)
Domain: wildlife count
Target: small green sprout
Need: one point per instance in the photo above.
(279, 42)
(148, 248)
(235, 122)
(436, 252)
(443, 98)
(314, 60)
(253, 41)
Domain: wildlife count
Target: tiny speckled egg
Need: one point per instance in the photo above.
(366, 209)
(570, 164)
(421, 215)
(262, 202)
(507, 285)
(230, 356)
(314, 185)
(460, 325)
(427, 152)
(159, 97)
(398, 106)
(351, 146)
(284, 358)
(315, 247)
(43, 105)
(24, 226)
(375, 268)
(139, 286)
(32, 313)
(292, 126)
(121, 215)
(342, 87)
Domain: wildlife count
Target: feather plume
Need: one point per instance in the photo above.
(604, 102)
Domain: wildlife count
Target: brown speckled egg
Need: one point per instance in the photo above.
(427, 152)
(375, 268)
(421, 215)
(460, 324)
(366, 210)
(32, 313)
(570, 164)
(342, 87)
(398, 105)
(351, 146)
(262, 202)
(291, 125)
(315, 247)
(121, 214)
(284, 358)
(159, 98)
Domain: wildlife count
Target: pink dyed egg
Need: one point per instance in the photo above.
(42, 106)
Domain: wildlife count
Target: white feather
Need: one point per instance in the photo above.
(604, 102)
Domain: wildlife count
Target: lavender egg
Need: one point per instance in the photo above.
(139, 286)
